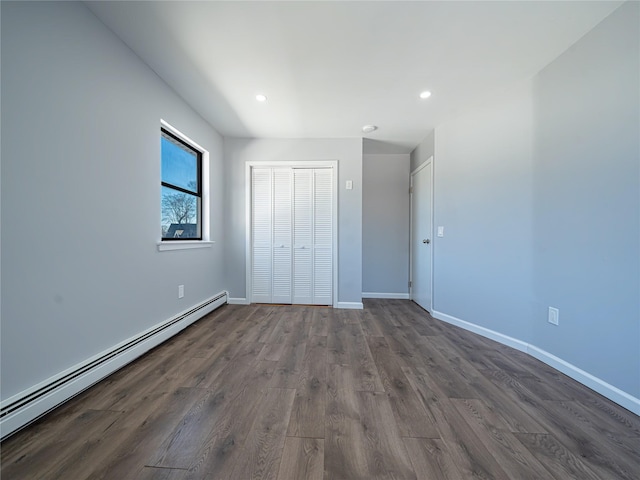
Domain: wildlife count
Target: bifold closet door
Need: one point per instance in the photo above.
(261, 235)
(271, 224)
(323, 237)
(313, 236)
(292, 235)
(282, 223)
(303, 236)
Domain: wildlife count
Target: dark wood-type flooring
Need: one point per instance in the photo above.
(311, 393)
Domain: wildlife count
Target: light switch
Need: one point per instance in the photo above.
(349, 184)
(441, 231)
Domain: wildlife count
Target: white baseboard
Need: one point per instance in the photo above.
(30, 404)
(614, 394)
(396, 296)
(349, 305)
(622, 398)
(238, 301)
(485, 332)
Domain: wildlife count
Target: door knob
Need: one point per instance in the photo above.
(426, 240)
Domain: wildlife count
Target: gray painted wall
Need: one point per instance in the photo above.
(586, 209)
(538, 192)
(482, 188)
(423, 151)
(348, 152)
(385, 224)
(81, 194)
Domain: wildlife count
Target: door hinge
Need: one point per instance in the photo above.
(410, 190)
(409, 283)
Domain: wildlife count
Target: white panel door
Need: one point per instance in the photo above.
(421, 237)
(302, 236)
(282, 231)
(323, 237)
(261, 234)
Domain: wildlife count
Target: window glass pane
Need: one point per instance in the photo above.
(179, 164)
(180, 214)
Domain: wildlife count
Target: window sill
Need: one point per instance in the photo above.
(184, 245)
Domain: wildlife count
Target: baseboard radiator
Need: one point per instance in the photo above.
(22, 409)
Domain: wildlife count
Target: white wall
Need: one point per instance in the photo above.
(348, 152)
(81, 194)
(385, 225)
(538, 191)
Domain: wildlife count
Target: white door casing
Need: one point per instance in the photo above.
(422, 235)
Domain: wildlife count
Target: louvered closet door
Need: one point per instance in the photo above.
(261, 234)
(302, 236)
(292, 235)
(282, 231)
(323, 237)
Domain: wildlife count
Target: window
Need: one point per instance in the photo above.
(181, 189)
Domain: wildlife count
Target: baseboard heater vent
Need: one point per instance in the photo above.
(127, 351)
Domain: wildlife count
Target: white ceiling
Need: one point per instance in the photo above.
(328, 68)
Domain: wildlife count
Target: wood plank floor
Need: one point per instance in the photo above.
(311, 393)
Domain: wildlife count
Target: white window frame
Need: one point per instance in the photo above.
(206, 241)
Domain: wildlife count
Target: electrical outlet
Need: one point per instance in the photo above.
(180, 291)
(554, 316)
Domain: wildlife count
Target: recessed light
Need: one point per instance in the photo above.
(425, 94)
(261, 98)
(369, 128)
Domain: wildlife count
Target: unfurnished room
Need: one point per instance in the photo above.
(320, 240)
